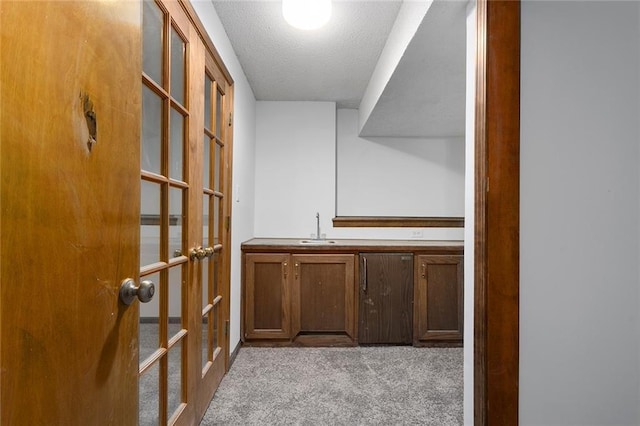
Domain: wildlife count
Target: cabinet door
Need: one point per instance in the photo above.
(323, 294)
(267, 308)
(386, 293)
(438, 299)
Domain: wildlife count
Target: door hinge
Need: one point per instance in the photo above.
(230, 118)
(227, 222)
(226, 328)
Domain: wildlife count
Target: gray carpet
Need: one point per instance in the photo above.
(341, 386)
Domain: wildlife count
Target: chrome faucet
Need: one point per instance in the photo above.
(318, 226)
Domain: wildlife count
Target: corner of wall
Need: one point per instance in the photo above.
(469, 231)
(407, 22)
(244, 148)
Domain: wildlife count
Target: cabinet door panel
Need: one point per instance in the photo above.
(267, 303)
(322, 297)
(386, 293)
(267, 314)
(442, 314)
(438, 309)
(323, 294)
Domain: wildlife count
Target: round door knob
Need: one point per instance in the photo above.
(129, 291)
(201, 253)
(198, 253)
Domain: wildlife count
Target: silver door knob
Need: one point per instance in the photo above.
(129, 291)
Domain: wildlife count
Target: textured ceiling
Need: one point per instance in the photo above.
(333, 63)
(425, 96)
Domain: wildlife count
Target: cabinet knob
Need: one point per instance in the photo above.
(285, 267)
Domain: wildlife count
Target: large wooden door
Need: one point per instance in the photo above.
(70, 191)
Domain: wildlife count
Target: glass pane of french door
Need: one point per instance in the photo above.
(213, 197)
(163, 219)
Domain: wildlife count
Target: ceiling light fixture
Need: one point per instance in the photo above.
(306, 14)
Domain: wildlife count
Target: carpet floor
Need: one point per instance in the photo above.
(341, 386)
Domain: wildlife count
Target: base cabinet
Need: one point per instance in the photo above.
(349, 295)
(323, 295)
(267, 309)
(438, 299)
(290, 296)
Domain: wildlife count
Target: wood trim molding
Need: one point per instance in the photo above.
(229, 359)
(397, 222)
(480, 231)
(497, 198)
(204, 36)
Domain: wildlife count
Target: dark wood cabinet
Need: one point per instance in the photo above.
(267, 296)
(398, 292)
(386, 298)
(438, 310)
(289, 296)
(323, 294)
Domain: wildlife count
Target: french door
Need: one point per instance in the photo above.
(216, 228)
(184, 230)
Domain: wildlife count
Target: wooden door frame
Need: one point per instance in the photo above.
(497, 222)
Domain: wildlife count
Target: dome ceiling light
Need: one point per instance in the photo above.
(306, 14)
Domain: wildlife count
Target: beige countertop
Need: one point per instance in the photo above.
(351, 245)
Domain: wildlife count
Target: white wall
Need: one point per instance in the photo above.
(295, 178)
(580, 212)
(296, 172)
(244, 137)
(469, 213)
(397, 176)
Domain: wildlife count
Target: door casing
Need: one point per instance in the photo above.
(497, 198)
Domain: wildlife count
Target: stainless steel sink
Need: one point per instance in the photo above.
(317, 242)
